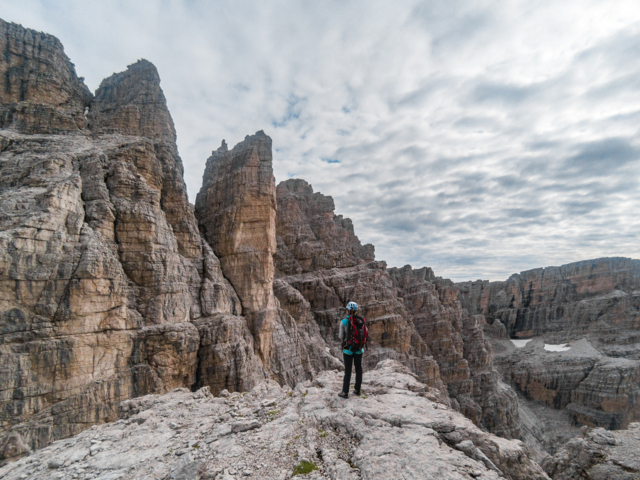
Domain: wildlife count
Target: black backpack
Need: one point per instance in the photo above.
(356, 334)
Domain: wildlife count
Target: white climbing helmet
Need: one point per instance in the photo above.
(352, 306)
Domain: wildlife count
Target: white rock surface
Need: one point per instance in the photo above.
(392, 431)
(521, 343)
(562, 347)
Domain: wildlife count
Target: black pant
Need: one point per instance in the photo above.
(348, 360)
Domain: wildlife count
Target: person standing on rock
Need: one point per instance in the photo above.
(353, 334)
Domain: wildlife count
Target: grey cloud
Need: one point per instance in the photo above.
(544, 145)
(510, 181)
(476, 123)
(582, 208)
(489, 92)
(625, 118)
(402, 225)
(392, 185)
(527, 213)
(602, 156)
(415, 153)
(614, 88)
(293, 111)
(620, 51)
(421, 95)
(452, 23)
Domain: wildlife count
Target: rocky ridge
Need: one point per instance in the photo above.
(593, 307)
(394, 426)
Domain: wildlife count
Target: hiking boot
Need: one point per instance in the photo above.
(343, 395)
(357, 392)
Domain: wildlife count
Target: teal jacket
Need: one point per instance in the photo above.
(344, 324)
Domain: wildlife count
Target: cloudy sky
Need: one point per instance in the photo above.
(480, 138)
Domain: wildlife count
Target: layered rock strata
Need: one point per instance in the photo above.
(394, 428)
(310, 236)
(413, 316)
(593, 307)
(236, 209)
(108, 291)
(40, 92)
(458, 343)
(597, 390)
(597, 299)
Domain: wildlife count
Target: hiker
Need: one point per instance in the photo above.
(353, 333)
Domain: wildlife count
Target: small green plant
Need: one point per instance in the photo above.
(272, 413)
(303, 468)
(322, 433)
(304, 394)
(291, 394)
(351, 464)
(197, 447)
(296, 437)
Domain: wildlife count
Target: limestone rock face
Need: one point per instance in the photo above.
(41, 92)
(598, 299)
(597, 390)
(457, 342)
(393, 427)
(236, 209)
(310, 236)
(132, 103)
(599, 455)
(87, 319)
(107, 290)
(593, 307)
(320, 257)
(609, 396)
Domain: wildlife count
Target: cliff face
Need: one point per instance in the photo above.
(236, 208)
(457, 342)
(107, 288)
(598, 299)
(310, 236)
(594, 307)
(40, 91)
(598, 455)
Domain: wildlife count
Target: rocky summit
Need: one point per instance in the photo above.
(145, 337)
